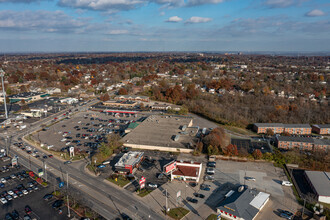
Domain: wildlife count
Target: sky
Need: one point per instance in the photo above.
(164, 25)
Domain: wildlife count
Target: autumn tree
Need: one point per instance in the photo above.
(231, 150)
(122, 91)
(217, 138)
(191, 91)
(105, 97)
(269, 132)
(257, 154)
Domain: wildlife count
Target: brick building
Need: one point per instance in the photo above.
(302, 143)
(278, 128)
(321, 129)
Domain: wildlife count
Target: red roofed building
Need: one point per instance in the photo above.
(187, 171)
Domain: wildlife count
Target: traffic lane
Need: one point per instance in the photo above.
(108, 212)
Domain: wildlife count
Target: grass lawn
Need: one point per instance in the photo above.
(238, 130)
(144, 192)
(212, 217)
(178, 213)
(121, 181)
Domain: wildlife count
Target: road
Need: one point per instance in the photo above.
(106, 199)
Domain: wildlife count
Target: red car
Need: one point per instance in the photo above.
(50, 156)
(28, 209)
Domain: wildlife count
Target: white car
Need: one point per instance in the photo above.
(3, 180)
(210, 171)
(152, 185)
(64, 139)
(250, 178)
(10, 192)
(24, 191)
(15, 195)
(286, 183)
(9, 197)
(3, 200)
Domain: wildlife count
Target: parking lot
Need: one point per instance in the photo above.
(18, 190)
(84, 131)
(228, 175)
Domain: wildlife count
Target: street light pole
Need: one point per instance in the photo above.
(67, 194)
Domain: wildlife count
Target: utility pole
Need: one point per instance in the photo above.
(45, 168)
(67, 194)
(2, 74)
(166, 201)
(303, 211)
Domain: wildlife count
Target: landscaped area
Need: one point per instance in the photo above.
(178, 213)
(119, 180)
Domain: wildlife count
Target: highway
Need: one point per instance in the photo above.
(106, 199)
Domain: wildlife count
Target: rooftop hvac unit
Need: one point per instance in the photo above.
(229, 193)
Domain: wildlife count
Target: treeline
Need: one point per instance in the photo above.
(240, 110)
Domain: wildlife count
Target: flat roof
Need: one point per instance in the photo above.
(130, 159)
(160, 130)
(297, 126)
(320, 181)
(269, 124)
(295, 139)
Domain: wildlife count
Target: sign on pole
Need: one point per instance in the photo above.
(14, 161)
(142, 182)
(61, 184)
(178, 194)
(219, 216)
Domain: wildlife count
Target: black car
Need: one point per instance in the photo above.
(286, 214)
(57, 204)
(189, 199)
(9, 216)
(15, 214)
(48, 196)
(211, 164)
(199, 195)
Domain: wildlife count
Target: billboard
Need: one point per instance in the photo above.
(170, 166)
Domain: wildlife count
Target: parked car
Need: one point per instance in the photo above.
(209, 177)
(286, 214)
(57, 204)
(27, 209)
(286, 183)
(67, 162)
(210, 171)
(100, 166)
(189, 199)
(211, 164)
(9, 216)
(48, 196)
(27, 217)
(199, 195)
(15, 214)
(3, 200)
(205, 187)
(152, 185)
(250, 178)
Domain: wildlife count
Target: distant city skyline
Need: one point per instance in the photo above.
(164, 25)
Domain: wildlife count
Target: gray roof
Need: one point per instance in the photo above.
(322, 126)
(269, 124)
(322, 141)
(320, 181)
(239, 204)
(297, 126)
(295, 139)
